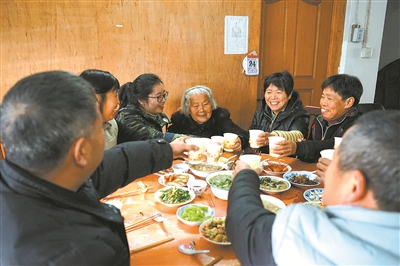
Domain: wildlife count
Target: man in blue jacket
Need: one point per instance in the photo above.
(55, 173)
(359, 224)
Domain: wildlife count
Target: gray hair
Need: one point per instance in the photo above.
(372, 146)
(42, 115)
(200, 89)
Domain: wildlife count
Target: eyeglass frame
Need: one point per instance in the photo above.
(161, 97)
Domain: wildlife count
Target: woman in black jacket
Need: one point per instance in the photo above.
(282, 112)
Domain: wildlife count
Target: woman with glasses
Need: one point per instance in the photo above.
(106, 87)
(142, 105)
(199, 115)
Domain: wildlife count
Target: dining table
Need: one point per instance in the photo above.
(156, 242)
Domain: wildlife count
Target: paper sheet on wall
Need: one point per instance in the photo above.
(236, 34)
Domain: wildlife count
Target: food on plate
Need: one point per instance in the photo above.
(176, 180)
(174, 195)
(302, 179)
(195, 213)
(274, 167)
(316, 195)
(206, 167)
(272, 184)
(214, 230)
(270, 206)
(221, 181)
(318, 204)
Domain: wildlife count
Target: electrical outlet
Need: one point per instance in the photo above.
(366, 52)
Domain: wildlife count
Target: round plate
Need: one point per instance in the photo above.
(266, 162)
(267, 200)
(275, 178)
(157, 196)
(203, 224)
(289, 175)
(210, 212)
(313, 194)
(161, 179)
(204, 174)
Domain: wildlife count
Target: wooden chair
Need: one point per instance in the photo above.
(2, 152)
(367, 107)
(314, 111)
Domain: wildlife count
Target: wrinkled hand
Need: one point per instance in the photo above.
(262, 139)
(284, 148)
(240, 165)
(237, 146)
(179, 147)
(322, 165)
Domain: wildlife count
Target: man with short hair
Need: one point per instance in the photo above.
(340, 95)
(359, 224)
(55, 174)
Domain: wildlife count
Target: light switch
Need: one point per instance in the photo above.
(366, 52)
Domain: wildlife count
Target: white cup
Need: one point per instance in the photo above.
(213, 152)
(328, 153)
(251, 159)
(197, 186)
(254, 133)
(196, 156)
(272, 143)
(229, 141)
(180, 168)
(338, 140)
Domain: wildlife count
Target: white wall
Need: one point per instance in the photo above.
(366, 69)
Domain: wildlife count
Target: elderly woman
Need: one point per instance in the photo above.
(200, 116)
(142, 105)
(282, 113)
(106, 87)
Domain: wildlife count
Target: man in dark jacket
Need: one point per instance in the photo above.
(340, 95)
(55, 173)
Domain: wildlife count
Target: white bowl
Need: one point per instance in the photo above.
(180, 168)
(279, 164)
(221, 193)
(197, 186)
(206, 169)
(272, 204)
(205, 224)
(274, 180)
(159, 192)
(208, 214)
(308, 176)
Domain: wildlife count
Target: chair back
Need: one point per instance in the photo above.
(367, 107)
(314, 111)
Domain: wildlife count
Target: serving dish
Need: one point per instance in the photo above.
(218, 236)
(302, 179)
(314, 194)
(275, 168)
(172, 179)
(194, 214)
(168, 196)
(273, 184)
(204, 169)
(272, 204)
(220, 183)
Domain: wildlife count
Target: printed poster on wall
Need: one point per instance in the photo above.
(236, 34)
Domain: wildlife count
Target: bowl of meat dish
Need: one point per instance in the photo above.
(272, 204)
(204, 169)
(194, 214)
(220, 183)
(273, 184)
(178, 180)
(213, 230)
(302, 179)
(174, 196)
(275, 168)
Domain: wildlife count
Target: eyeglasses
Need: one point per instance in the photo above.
(162, 97)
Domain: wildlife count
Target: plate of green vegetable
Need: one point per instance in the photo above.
(174, 196)
(194, 214)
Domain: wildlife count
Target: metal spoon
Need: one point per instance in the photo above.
(189, 250)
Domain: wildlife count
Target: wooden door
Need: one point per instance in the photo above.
(304, 38)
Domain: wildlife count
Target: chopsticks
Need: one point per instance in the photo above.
(134, 226)
(214, 261)
(121, 195)
(152, 244)
(210, 201)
